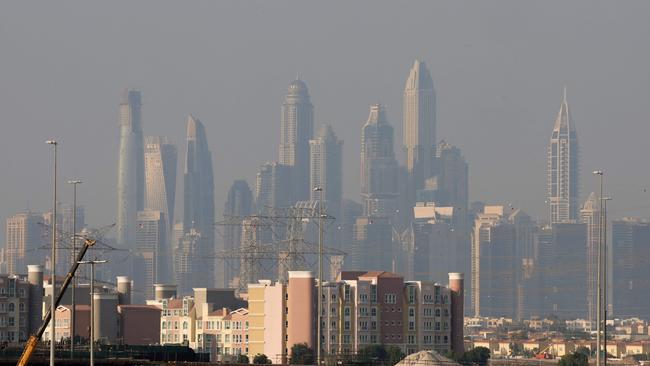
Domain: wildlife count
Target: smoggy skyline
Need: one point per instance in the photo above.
(498, 69)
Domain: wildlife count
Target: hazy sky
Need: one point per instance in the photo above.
(498, 68)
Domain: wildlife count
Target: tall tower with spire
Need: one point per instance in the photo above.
(563, 168)
(296, 129)
(419, 125)
(130, 171)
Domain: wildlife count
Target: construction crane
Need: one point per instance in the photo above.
(33, 340)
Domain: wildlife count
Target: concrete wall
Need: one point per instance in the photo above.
(301, 317)
(139, 324)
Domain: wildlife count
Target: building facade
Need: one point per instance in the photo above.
(198, 210)
(419, 126)
(130, 179)
(379, 170)
(239, 204)
(296, 129)
(326, 163)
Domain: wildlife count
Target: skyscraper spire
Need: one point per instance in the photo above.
(563, 168)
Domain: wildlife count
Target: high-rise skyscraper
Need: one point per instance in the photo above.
(379, 170)
(493, 264)
(238, 204)
(160, 160)
(630, 250)
(563, 168)
(590, 216)
(24, 237)
(561, 271)
(130, 171)
(419, 125)
(152, 258)
(198, 212)
(327, 173)
(273, 186)
(297, 128)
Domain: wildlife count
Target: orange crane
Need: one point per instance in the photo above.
(33, 340)
(544, 354)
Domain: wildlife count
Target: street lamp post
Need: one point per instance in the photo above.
(604, 210)
(53, 263)
(320, 275)
(599, 292)
(74, 258)
(92, 306)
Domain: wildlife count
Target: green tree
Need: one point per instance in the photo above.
(302, 354)
(242, 359)
(574, 359)
(516, 349)
(584, 350)
(395, 355)
(372, 352)
(261, 359)
(477, 355)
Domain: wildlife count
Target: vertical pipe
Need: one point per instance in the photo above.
(53, 264)
(320, 279)
(92, 313)
(74, 256)
(604, 210)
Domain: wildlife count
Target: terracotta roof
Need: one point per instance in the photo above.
(381, 274)
(350, 275)
(77, 307)
(175, 304)
(218, 312)
(139, 307)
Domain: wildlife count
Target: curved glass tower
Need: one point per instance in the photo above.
(130, 172)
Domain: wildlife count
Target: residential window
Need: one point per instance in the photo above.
(373, 293)
(346, 325)
(390, 298)
(185, 325)
(373, 311)
(412, 294)
(437, 312)
(363, 298)
(412, 312)
(346, 311)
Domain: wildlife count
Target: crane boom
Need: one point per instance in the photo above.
(33, 340)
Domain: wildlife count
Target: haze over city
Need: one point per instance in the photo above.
(498, 70)
(336, 183)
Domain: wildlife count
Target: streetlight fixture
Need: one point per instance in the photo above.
(92, 306)
(53, 262)
(320, 274)
(74, 258)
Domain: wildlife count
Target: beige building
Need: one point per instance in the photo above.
(222, 333)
